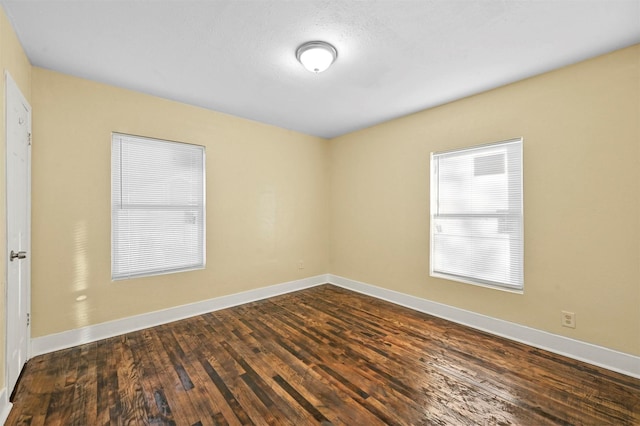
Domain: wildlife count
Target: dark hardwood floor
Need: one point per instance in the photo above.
(319, 356)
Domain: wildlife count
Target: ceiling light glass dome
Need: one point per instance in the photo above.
(316, 56)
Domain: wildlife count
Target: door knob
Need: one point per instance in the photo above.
(18, 255)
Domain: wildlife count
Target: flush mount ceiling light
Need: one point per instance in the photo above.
(316, 56)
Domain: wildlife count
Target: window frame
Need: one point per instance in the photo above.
(117, 138)
(434, 215)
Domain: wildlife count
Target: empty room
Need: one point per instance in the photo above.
(320, 212)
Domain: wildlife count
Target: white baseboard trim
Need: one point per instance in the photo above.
(582, 351)
(587, 352)
(5, 406)
(92, 333)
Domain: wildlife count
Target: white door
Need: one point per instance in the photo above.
(18, 157)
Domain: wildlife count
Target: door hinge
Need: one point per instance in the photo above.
(29, 138)
(28, 319)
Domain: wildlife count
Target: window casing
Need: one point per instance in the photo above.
(157, 206)
(477, 215)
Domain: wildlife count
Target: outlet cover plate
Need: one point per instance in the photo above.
(568, 319)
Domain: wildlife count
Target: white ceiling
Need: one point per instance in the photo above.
(394, 57)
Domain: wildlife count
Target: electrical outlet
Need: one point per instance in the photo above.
(300, 264)
(568, 319)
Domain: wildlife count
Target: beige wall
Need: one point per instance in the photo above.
(267, 195)
(12, 59)
(582, 199)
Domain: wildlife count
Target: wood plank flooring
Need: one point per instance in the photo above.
(322, 356)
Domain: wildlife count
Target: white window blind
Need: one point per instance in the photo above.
(158, 206)
(476, 215)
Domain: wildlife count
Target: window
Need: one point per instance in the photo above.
(476, 215)
(157, 206)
